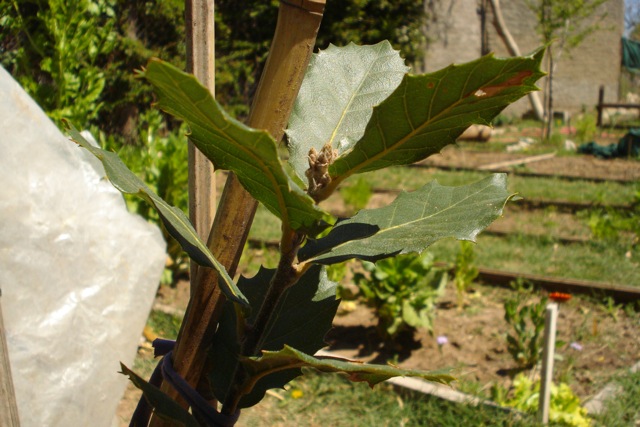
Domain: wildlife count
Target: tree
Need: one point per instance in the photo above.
(563, 25)
(632, 20)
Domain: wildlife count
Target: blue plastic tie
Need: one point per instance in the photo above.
(200, 406)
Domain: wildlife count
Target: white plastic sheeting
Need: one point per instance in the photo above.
(78, 272)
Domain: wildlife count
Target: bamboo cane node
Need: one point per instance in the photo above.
(311, 6)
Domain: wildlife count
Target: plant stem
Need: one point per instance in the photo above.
(285, 276)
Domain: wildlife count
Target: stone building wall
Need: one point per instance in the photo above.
(456, 36)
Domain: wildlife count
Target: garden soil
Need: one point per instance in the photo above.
(579, 166)
(606, 341)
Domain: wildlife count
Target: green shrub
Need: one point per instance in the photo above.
(55, 49)
(466, 271)
(586, 128)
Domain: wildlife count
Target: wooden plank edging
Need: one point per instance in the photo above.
(620, 293)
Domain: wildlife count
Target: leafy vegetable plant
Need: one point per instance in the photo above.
(403, 291)
(466, 272)
(564, 406)
(357, 111)
(526, 320)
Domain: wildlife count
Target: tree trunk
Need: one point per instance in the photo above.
(514, 50)
(549, 121)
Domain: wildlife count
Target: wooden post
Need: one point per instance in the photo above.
(600, 107)
(8, 406)
(199, 22)
(548, 353)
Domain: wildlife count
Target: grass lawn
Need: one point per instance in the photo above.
(331, 400)
(606, 193)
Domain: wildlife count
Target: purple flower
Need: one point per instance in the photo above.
(442, 340)
(576, 346)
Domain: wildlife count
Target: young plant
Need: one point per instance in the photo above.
(403, 291)
(527, 323)
(466, 272)
(376, 116)
(564, 406)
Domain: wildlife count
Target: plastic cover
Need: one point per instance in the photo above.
(78, 272)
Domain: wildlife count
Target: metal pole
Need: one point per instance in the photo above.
(548, 352)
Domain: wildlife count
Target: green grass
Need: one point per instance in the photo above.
(266, 226)
(331, 400)
(602, 262)
(164, 325)
(606, 193)
(623, 410)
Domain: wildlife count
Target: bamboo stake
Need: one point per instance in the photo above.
(508, 163)
(293, 42)
(199, 22)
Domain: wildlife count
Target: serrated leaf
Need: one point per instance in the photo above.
(413, 221)
(163, 405)
(175, 221)
(290, 358)
(427, 112)
(250, 153)
(336, 99)
(305, 315)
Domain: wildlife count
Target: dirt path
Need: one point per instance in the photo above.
(582, 166)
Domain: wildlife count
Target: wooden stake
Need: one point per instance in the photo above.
(500, 165)
(199, 21)
(548, 353)
(293, 42)
(8, 405)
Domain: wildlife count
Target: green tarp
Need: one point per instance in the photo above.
(631, 55)
(627, 146)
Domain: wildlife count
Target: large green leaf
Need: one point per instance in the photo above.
(336, 100)
(175, 221)
(250, 153)
(427, 112)
(162, 404)
(304, 316)
(413, 221)
(305, 313)
(290, 358)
